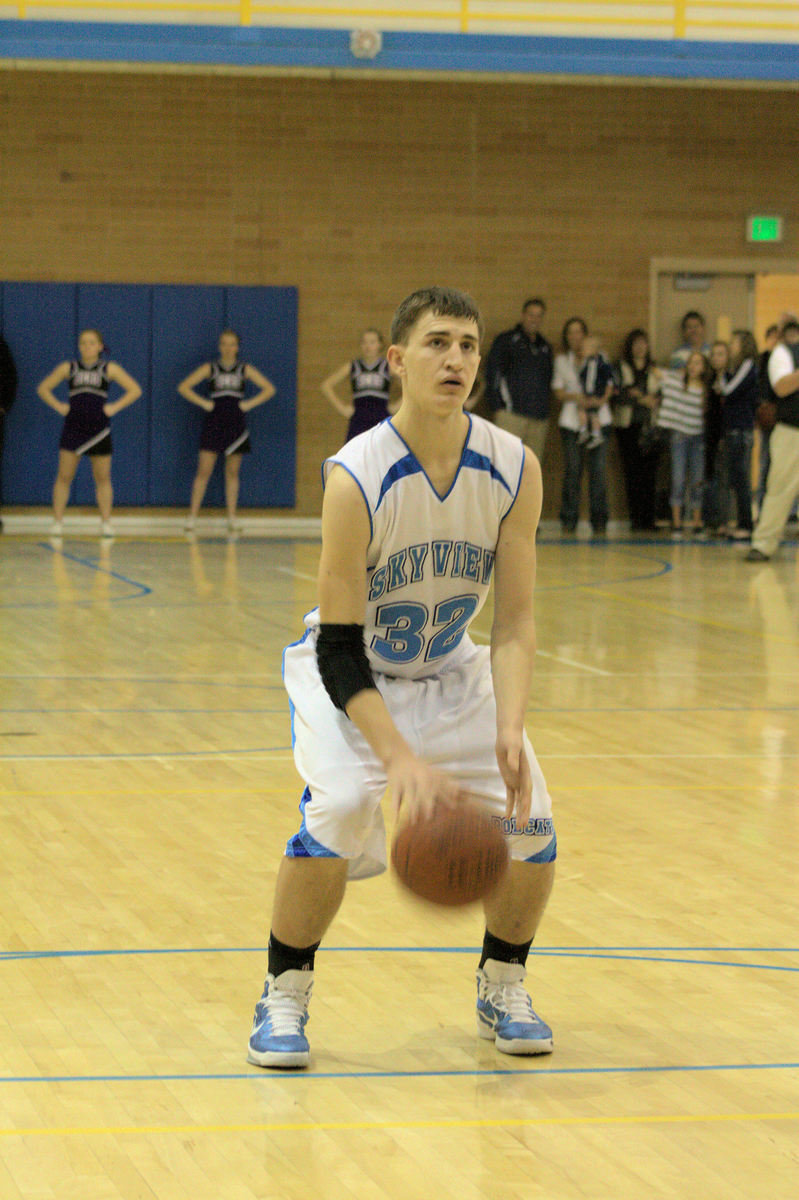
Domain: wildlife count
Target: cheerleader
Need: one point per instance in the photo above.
(370, 380)
(225, 427)
(87, 422)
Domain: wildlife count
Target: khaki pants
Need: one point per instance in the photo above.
(782, 487)
(532, 430)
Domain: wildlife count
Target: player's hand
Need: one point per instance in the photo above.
(416, 788)
(63, 408)
(515, 770)
(109, 409)
(244, 406)
(208, 405)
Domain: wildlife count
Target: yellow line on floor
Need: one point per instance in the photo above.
(343, 1126)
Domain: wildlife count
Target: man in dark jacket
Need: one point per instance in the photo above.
(518, 378)
(8, 392)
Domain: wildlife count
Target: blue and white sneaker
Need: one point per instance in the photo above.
(278, 1028)
(505, 1013)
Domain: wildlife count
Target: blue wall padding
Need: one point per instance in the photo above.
(159, 334)
(187, 322)
(266, 320)
(40, 326)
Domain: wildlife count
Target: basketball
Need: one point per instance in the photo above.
(454, 857)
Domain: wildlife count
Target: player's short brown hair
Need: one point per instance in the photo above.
(444, 302)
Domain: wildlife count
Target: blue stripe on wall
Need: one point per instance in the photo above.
(329, 48)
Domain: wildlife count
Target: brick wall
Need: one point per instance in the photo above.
(359, 190)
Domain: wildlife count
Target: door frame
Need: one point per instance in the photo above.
(697, 265)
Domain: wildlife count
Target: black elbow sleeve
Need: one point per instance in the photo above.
(343, 666)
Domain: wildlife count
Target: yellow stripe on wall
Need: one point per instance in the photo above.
(678, 17)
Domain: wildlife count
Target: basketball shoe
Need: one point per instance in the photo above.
(505, 1012)
(278, 1028)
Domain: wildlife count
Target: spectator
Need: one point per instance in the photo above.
(571, 397)
(634, 418)
(8, 394)
(782, 486)
(715, 473)
(693, 338)
(682, 412)
(766, 411)
(767, 414)
(739, 396)
(370, 381)
(519, 378)
(595, 375)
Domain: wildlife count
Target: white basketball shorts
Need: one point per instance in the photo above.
(448, 719)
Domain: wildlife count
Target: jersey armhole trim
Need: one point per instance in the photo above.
(518, 485)
(335, 462)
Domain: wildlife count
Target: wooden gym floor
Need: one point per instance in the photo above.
(148, 790)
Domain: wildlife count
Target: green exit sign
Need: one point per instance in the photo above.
(764, 229)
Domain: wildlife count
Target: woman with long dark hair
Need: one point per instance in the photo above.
(634, 414)
(740, 396)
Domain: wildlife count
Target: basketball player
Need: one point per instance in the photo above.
(87, 425)
(387, 688)
(370, 380)
(224, 429)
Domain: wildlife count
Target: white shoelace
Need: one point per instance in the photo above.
(513, 999)
(285, 1009)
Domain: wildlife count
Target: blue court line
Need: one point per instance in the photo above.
(665, 541)
(150, 710)
(215, 602)
(172, 680)
(274, 1076)
(144, 590)
(622, 953)
(663, 568)
(149, 754)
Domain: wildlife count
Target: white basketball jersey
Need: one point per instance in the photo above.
(431, 557)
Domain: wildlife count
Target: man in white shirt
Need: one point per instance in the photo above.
(782, 486)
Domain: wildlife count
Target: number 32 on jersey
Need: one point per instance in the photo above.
(407, 628)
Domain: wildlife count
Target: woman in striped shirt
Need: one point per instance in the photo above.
(682, 411)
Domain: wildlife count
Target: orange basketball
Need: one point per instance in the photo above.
(454, 857)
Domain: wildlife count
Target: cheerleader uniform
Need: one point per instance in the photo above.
(87, 430)
(370, 388)
(225, 428)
